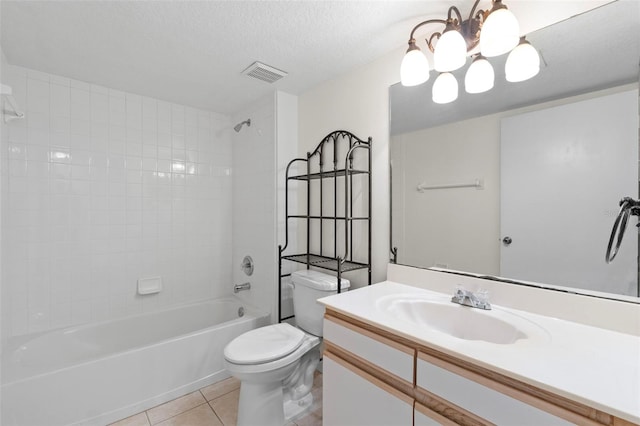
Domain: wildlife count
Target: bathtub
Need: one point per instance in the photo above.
(99, 373)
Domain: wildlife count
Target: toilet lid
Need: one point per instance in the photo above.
(264, 344)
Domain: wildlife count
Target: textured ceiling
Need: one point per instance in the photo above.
(192, 52)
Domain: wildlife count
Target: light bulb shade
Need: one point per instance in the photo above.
(479, 77)
(500, 33)
(522, 63)
(445, 89)
(414, 68)
(451, 52)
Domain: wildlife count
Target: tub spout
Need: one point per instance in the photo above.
(240, 287)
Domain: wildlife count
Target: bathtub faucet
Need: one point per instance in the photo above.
(240, 287)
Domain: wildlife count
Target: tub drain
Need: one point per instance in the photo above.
(241, 311)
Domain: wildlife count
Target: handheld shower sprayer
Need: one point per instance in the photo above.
(628, 207)
(238, 126)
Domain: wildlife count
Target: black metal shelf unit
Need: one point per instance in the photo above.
(344, 150)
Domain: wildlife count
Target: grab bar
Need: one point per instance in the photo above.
(628, 207)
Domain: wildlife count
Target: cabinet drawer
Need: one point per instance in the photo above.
(384, 353)
(481, 400)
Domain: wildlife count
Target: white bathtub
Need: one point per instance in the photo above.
(98, 373)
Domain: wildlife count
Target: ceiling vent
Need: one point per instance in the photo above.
(264, 72)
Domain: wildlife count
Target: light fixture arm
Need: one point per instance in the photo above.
(412, 40)
(458, 15)
(481, 13)
(430, 40)
(468, 28)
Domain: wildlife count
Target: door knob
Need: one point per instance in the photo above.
(507, 240)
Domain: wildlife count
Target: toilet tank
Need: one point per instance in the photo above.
(308, 287)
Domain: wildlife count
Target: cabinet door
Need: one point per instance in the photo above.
(483, 401)
(352, 397)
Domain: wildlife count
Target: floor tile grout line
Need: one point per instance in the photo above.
(146, 413)
(221, 395)
(179, 414)
(214, 412)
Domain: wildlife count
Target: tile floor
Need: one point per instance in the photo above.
(214, 405)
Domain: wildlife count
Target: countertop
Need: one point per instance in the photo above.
(596, 367)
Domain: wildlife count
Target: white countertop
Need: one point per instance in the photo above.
(596, 367)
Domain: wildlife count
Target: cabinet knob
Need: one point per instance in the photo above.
(507, 241)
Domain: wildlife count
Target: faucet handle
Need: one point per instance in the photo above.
(459, 294)
(482, 294)
(483, 298)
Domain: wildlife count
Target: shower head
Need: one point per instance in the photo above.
(238, 126)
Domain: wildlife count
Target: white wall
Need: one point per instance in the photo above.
(450, 228)
(287, 149)
(3, 166)
(104, 187)
(254, 189)
(358, 102)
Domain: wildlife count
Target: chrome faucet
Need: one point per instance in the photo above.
(240, 287)
(479, 300)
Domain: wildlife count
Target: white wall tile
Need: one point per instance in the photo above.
(61, 81)
(75, 84)
(60, 124)
(60, 100)
(106, 187)
(99, 107)
(80, 104)
(95, 89)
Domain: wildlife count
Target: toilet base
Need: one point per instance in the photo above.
(260, 404)
(296, 409)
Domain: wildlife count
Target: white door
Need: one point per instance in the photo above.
(563, 171)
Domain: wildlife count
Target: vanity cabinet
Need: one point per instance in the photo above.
(374, 376)
(363, 377)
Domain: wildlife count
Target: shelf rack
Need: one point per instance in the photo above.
(343, 148)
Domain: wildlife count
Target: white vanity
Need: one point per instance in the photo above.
(401, 353)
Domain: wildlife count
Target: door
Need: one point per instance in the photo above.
(352, 397)
(563, 171)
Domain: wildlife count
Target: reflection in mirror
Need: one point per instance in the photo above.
(524, 181)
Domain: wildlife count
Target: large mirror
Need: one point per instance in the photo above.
(524, 181)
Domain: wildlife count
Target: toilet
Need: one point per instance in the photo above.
(275, 364)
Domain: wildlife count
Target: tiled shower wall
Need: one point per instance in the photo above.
(102, 187)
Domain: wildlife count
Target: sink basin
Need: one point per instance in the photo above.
(462, 322)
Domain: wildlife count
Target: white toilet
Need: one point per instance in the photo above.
(275, 364)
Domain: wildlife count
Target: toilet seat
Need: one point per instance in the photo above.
(264, 344)
(307, 343)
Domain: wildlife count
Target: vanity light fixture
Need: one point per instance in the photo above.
(484, 34)
(522, 63)
(445, 88)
